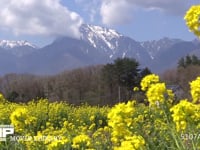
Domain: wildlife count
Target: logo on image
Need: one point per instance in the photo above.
(5, 130)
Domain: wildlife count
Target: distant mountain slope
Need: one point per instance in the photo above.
(8, 62)
(154, 47)
(169, 57)
(97, 45)
(62, 54)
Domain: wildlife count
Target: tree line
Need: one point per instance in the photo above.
(95, 85)
(188, 60)
(187, 70)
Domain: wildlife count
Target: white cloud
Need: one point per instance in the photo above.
(39, 17)
(113, 12)
(175, 7)
(90, 7)
(121, 11)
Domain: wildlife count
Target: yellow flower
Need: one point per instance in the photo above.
(2, 99)
(58, 144)
(120, 119)
(183, 113)
(18, 118)
(135, 89)
(131, 143)
(192, 17)
(155, 93)
(81, 141)
(148, 80)
(195, 89)
(92, 118)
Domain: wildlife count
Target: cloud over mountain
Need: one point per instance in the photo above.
(115, 13)
(39, 17)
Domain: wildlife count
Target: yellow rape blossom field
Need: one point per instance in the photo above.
(160, 124)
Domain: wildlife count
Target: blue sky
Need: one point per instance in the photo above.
(41, 21)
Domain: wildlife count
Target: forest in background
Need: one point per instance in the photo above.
(96, 85)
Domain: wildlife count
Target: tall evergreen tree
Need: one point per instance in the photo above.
(121, 76)
(188, 60)
(181, 63)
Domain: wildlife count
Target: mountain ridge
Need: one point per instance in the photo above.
(97, 45)
(7, 44)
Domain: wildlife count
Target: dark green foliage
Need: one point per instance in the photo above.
(195, 60)
(181, 62)
(126, 72)
(12, 96)
(188, 60)
(121, 77)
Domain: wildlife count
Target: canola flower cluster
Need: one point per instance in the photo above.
(185, 113)
(125, 126)
(81, 141)
(192, 18)
(195, 90)
(121, 122)
(131, 143)
(148, 81)
(156, 91)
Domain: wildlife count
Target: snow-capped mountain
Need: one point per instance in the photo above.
(112, 44)
(100, 37)
(97, 45)
(17, 48)
(13, 44)
(153, 47)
